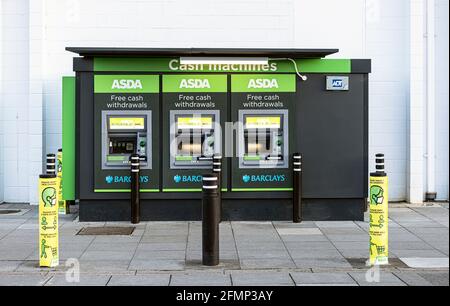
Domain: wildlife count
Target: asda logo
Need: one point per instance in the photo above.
(263, 83)
(126, 84)
(195, 83)
(263, 178)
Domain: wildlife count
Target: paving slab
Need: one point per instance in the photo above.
(426, 263)
(107, 255)
(322, 279)
(436, 278)
(244, 278)
(170, 246)
(311, 263)
(200, 279)
(157, 264)
(84, 280)
(319, 254)
(140, 280)
(9, 265)
(150, 255)
(299, 231)
(310, 245)
(384, 279)
(419, 253)
(267, 263)
(112, 266)
(412, 279)
(23, 280)
(336, 224)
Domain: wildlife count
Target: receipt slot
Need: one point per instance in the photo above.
(125, 134)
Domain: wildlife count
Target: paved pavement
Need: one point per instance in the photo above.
(252, 253)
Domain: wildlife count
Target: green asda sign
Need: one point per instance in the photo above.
(263, 83)
(126, 84)
(194, 83)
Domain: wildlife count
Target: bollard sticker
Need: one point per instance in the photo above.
(378, 230)
(48, 222)
(61, 203)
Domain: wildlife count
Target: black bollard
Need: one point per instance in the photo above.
(297, 214)
(210, 224)
(135, 196)
(217, 168)
(51, 164)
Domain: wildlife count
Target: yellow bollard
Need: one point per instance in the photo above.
(378, 229)
(63, 208)
(48, 221)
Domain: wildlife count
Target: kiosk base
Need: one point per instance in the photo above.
(233, 210)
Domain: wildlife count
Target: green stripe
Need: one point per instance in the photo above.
(164, 65)
(112, 83)
(195, 83)
(260, 189)
(263, 83)
(68, 137)
(182, 190)
(124, 190)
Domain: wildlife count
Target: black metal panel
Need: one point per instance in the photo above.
(85, 136)
(228, 52)
(234, 210)
(361, 66)
(83, 64)
(332, 135)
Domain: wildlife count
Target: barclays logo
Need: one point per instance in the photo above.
(263, 178)
(187, 178)
(110, 179)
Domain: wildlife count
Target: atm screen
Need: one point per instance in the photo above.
(195, 122)
(258, 122)
(126, 123)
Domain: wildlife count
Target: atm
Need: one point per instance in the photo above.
(193, 139)
(263, 139)
(177, 108)
(124, 134)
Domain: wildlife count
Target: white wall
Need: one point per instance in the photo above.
(387, 28)
(15, 76)
(442, 98)
(377, 29)
(1, 105)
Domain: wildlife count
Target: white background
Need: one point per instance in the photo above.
(34, 34)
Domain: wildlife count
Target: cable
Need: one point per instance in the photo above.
(303, 77)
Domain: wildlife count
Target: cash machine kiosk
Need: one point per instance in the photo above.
(195, 109)
(177, 108)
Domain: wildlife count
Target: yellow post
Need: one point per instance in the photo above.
(48, 221)
(378, 229)
(62, 204)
